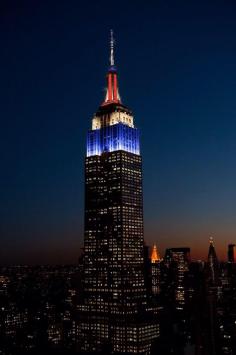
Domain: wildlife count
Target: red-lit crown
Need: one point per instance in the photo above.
(112, 92)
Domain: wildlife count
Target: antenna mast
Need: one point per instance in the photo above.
(112, 42)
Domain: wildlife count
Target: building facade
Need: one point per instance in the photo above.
(212, 264)
(114, 316)
(178, 260)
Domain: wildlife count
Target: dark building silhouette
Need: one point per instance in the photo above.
(213, 291)
(213, 264)
(114, 315)
(232, 253)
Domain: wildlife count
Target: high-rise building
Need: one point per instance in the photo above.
(212, 264)
(155, 270)
(114, 316)
(178, 260)
(213, 295)
(231, 253)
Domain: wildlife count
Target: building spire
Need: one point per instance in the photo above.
(112, 42)
(155, 257)
(112, 91)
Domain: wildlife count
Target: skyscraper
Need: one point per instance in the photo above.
(178, 260)
(213, 291)
(231, 253)
(155, 270)
(113, 315)
(212, 264)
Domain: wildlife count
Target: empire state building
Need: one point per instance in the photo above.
(114, 315)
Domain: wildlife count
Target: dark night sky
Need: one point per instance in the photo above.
(177, 71)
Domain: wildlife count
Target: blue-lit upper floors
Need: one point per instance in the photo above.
(113, 129)
(113, 138)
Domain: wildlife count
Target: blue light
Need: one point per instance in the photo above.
(112, 69)
(112, 138)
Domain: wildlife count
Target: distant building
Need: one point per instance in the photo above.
(232, 253)
(213, 264)
(155, 270)
(155, 256)
(179, 255)
(178, 259)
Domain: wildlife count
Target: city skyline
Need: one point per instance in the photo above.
(183, 105)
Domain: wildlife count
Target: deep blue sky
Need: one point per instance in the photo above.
(177, 71)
